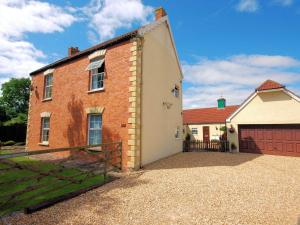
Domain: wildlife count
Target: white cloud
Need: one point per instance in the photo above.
(235, 77)
(284, 2)
(247, 6)
(107, 16)
(18, 57)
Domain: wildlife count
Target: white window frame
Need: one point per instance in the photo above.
(43, 130)
(48, 86)
(194, 130)
(89, 129)
(177, 132)
(175, 91)
(96, 74)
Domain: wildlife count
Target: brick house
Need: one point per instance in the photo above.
(125, 89)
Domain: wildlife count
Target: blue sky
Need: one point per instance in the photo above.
(225, 47)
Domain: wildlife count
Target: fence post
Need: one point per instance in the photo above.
(121, 155)
(105, 164)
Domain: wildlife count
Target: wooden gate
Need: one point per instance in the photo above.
(197, 146)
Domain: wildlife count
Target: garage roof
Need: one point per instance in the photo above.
(269, 85)
(207, 115)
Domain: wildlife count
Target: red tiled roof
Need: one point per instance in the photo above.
(207, 115)
(269, 85)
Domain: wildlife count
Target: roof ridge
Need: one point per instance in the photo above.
(211, 107)
(269, 85)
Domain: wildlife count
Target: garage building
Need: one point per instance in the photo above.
(268, 122)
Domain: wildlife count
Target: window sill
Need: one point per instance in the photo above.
(44, 144)
(95, 90)
(47, 99)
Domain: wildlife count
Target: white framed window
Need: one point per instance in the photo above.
(45, 129)
(97, 79)
(94, 129)
(175, 91)
(194, 130)
(48, 86)
(177, 132)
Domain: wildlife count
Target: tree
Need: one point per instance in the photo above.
(14, 101)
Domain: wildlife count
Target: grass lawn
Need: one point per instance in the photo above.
(49, 187)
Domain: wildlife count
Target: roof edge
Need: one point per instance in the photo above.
(111, 42)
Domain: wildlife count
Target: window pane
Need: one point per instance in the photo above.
(48, 86)
(45, 129)
(45, 135)
(95, 129)
(97, 81)
(46, 122)
(48, 92)
(48, 80)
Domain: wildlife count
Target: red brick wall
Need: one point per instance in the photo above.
(68, 122)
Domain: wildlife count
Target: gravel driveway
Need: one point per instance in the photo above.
(189, 188)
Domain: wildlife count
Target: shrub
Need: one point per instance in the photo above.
(188, 137)
(9, 143)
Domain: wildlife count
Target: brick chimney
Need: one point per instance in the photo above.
(159, 13)
(72, 50)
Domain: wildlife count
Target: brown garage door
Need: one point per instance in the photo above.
(270, 139)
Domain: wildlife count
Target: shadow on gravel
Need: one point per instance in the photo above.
(202, 159)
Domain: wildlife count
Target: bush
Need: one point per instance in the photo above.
(188, 137)
(9, 143)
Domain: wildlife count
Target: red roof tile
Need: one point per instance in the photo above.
(207, 115)
(269, 85)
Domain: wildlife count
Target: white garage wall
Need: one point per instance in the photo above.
(275, 107)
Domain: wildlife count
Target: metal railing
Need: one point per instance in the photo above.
(197, 145)
(36, 179)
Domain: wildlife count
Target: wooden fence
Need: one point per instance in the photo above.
(37, 179)
(197, 145)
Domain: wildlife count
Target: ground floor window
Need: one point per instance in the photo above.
(45, 129)
(95, 129)
(194, 130)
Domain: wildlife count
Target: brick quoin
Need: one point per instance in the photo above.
(70, 98)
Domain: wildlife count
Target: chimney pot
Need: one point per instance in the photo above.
(159, 13)
(72, 51)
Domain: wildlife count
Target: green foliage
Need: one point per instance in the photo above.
(223, 129)
(8, 143)
(14, 101)
(21, 118)
(188, 137)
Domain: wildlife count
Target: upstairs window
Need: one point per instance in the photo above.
(97, 76)
(175, 91)
(48, 86)
(45, 129)
(194, 130)
(96, 69)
